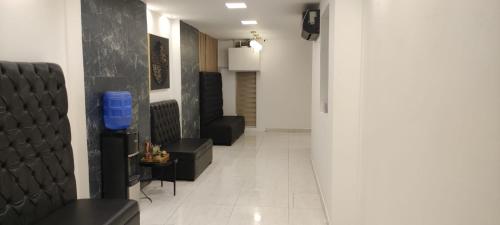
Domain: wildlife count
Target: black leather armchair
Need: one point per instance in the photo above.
(223, 130)
(194, 155)
(37, 182)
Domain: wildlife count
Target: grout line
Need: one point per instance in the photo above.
(184, 201)
(290, 183)
(260, 140)
(241, 189)
(323, 202)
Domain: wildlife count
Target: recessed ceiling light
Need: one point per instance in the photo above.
(249, 22)
(236, 5)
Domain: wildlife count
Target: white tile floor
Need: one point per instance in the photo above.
(265, 178)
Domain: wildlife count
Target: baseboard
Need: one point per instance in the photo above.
(253, 130)
(323, 202)
(288, 130)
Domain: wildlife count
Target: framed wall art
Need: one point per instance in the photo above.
(159, 70)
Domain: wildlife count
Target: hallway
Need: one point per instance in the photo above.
(265, 178)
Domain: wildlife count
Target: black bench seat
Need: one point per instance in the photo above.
(223, 130)
(37, 180)
(194, 155)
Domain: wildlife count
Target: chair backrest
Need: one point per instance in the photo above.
(36, 158)
(165, 122)
(210, 97)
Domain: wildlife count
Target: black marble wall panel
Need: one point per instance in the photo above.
(115, 59)
(190, 81)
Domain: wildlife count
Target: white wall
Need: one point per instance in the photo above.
(228, 79)
(286, 84)
(321, 133)
(163, 26)
(431, 112)
(335, 136)
(283, 84)
(415, 116)
(321, 123)
(50, 31)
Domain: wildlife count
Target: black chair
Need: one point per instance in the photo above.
(194, 155)
(223, 130)
(37, 182)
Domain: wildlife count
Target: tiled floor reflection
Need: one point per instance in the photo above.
(265, 178)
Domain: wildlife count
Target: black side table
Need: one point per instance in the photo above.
(164, 168)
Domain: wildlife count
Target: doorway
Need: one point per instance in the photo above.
(246, 97)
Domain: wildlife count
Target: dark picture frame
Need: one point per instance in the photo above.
(159, 62)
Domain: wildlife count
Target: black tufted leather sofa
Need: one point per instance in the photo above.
(37, 182)
(194, 155)
(223, 130)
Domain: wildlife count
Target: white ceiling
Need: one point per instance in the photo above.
(278, 19)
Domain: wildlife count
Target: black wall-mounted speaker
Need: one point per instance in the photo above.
(310, 24)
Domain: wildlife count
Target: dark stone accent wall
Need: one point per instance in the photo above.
(190, 81)
(115, 59)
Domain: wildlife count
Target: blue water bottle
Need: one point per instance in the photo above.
(117, 109)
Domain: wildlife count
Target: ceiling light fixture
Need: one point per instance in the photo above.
(257, 217)
(255, 45)
(249, 22)
(236, 5)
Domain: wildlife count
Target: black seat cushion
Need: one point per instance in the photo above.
(194, 155)
(85, 212)
(225, 130)
(191, 148)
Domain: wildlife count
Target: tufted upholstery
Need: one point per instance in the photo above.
(36, 160)
(165, 123)
(194, 155)
(223, 130)
(37, 183)
(210, 97)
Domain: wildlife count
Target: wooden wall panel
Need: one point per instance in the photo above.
(208, 53)
(211, 54)
(202, 51)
